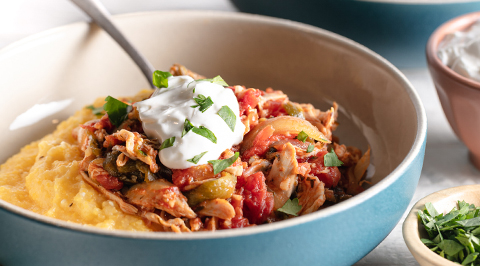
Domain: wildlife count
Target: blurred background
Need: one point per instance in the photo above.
(396, 29)
(21, 18)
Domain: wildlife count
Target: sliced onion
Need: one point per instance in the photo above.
(362, 165)
(284, 125)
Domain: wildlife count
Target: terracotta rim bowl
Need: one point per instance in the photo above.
(443, 201)
(459, 96)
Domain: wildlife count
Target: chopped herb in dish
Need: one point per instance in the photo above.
(454, 235)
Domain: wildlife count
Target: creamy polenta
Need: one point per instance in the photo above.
(44, 178)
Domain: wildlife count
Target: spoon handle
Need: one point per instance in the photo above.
(100, 15)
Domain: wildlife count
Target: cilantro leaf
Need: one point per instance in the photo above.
(160, 79)
(450, 247)
(331, 159)
(117, 110)
(197, 158)
(187, 126)
(203, 102)
(220, 165)
(431, 210)
(470, 222)
(216, 80)
(310, 148)
(470, 258)
(228, 116)
(291, 207)
(302, 136)
(96, 110)
(205, 132)
(167, 143)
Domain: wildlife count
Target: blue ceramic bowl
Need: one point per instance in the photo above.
(396, 29)
(80, 62)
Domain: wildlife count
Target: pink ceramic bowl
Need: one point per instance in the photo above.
(460, 96)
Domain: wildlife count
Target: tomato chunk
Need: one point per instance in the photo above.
(109, 182)
(249, 100)
(258, 202)
(330, 175)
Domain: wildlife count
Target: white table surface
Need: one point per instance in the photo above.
(446, 158)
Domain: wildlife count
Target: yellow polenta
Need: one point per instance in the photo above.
(44, 178)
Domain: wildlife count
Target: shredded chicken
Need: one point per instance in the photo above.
(257, 166)
(176, 225)
(180, 70)
(162, 195)
(217, 207)
(125, 207)
(136, 148)
(282, 178)
(311, 194)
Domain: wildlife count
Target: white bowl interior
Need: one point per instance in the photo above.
(75, 64)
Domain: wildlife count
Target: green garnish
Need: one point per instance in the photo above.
(117, 110)
(220, 165)
(160, 79)
(167, 143)
(197, 158)
(331, 159)
(310, 148)
(142, 152)
(205, 132)
(454, 235)
(228, 116)
(187, 126)
(216, 80)
(96, 110)
(203, 102)
(291, 207)
(302, 136)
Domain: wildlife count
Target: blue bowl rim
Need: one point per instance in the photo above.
(416, 148)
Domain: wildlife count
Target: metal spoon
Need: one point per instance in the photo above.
(100, 15)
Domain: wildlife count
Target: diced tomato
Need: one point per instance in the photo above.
(109, 182)
(258, 202)
(104, 123)
(249, 100)
(111, 141)
(330, 178)
(183, 177)
(238, 221)
(274, 108)
(262, 142)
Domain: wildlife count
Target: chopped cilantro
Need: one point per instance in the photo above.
(187, 126)
(167, 143)
(160, 79)
(197, 158)
(142, 152)
(454, 235)
(302, 136)
(203, 102)
(228, 116)
(220, 165)
(216, 80)
(96, 110)
(331, 159)
(291, 207)
(117, 110)
(310, 148)
(205, 132)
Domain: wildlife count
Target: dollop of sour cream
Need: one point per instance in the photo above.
(163, 116)
(460, 51)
